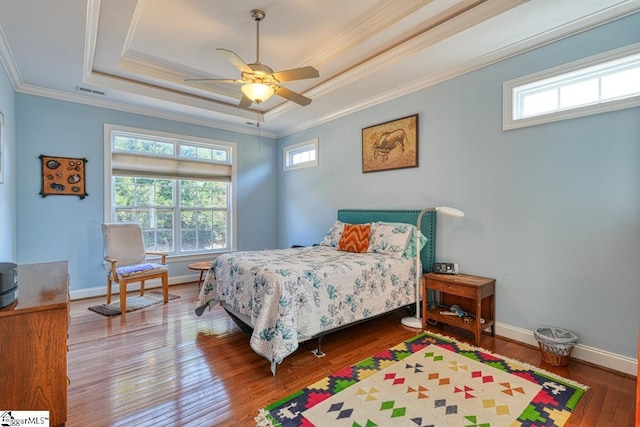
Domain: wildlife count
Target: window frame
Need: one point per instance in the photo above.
(291, 150)
(511, 87)
(109, 209)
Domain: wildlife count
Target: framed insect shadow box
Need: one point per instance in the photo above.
(63, 176)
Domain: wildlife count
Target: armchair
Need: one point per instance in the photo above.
(126, 260)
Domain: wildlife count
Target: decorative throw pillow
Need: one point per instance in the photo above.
(332, 238)
(411, 250)
(390, 238)
(355, 238)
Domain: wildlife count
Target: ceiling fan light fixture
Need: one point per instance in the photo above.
(257, 92)
(258, 81)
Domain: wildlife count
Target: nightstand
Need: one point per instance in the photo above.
(475, 295)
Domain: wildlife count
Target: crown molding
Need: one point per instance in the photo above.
(166, 72)
(556, 34)
(428, 37)
(91, 36)
(611, 14)
(9, 63)
(169, 95)
(145, 111)
(377, 19)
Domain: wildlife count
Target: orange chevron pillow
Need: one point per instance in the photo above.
(355, 238)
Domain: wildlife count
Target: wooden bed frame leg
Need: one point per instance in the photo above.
(318, 351)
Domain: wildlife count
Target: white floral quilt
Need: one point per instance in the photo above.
(291, 295)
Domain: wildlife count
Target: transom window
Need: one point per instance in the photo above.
(600, 83)
(180, 189)
(301, 155)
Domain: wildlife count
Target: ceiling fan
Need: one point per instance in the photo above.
(259, 81)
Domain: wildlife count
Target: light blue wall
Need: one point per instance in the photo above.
(552, 211)
(67, 228)
(8, 186)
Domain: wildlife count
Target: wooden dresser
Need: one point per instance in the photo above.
(33, 342)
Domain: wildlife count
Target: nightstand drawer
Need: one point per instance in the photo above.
(451, 288)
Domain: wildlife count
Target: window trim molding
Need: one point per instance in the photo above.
(108, 211)
(288, 149)
(508, 122)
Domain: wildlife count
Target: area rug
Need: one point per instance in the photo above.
(133, 303)
(430, 380)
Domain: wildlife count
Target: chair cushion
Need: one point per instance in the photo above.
(140, 270)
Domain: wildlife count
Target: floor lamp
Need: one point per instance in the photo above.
(416, 321)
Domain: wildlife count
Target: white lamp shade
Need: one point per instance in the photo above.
(257, 92)
(450, 211)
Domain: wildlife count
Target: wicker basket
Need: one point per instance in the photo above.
(556, 345)
(554, 355)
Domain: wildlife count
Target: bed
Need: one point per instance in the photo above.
(283, 297)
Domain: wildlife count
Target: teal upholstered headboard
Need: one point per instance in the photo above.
(427, 226)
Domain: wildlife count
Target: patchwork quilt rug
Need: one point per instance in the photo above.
(430, 380)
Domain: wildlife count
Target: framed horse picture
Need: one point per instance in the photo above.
(390, 145)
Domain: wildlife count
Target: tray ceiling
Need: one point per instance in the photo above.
(135, 55)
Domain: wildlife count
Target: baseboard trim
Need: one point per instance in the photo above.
(596, 356)
(100, 291)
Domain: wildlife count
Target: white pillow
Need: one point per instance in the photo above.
(332, 238)
(390, 238)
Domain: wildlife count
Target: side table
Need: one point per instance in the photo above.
(475, 295)
(201, 267)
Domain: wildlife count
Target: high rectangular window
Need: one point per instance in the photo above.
(301, 155)
(604, 82)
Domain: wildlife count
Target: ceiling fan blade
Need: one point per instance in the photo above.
(292, 96)
(296, 74)
(235, 60)
(245, 102)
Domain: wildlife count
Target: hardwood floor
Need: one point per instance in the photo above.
(163, 365)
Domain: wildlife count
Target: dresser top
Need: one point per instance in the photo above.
(41, 286)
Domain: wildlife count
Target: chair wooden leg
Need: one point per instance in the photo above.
(123, 297)
(108, 289)
(165, 287)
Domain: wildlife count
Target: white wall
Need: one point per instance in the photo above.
(552, 211)
(67, 228)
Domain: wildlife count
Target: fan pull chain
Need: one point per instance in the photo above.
(259, 132)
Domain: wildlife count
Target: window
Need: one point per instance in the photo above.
(302, 155)
(180, 189)
(604, 82)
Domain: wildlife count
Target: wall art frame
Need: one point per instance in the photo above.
(390, 145)
(63, 176)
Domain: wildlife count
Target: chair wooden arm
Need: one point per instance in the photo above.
(113, 263)
(160, 254)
